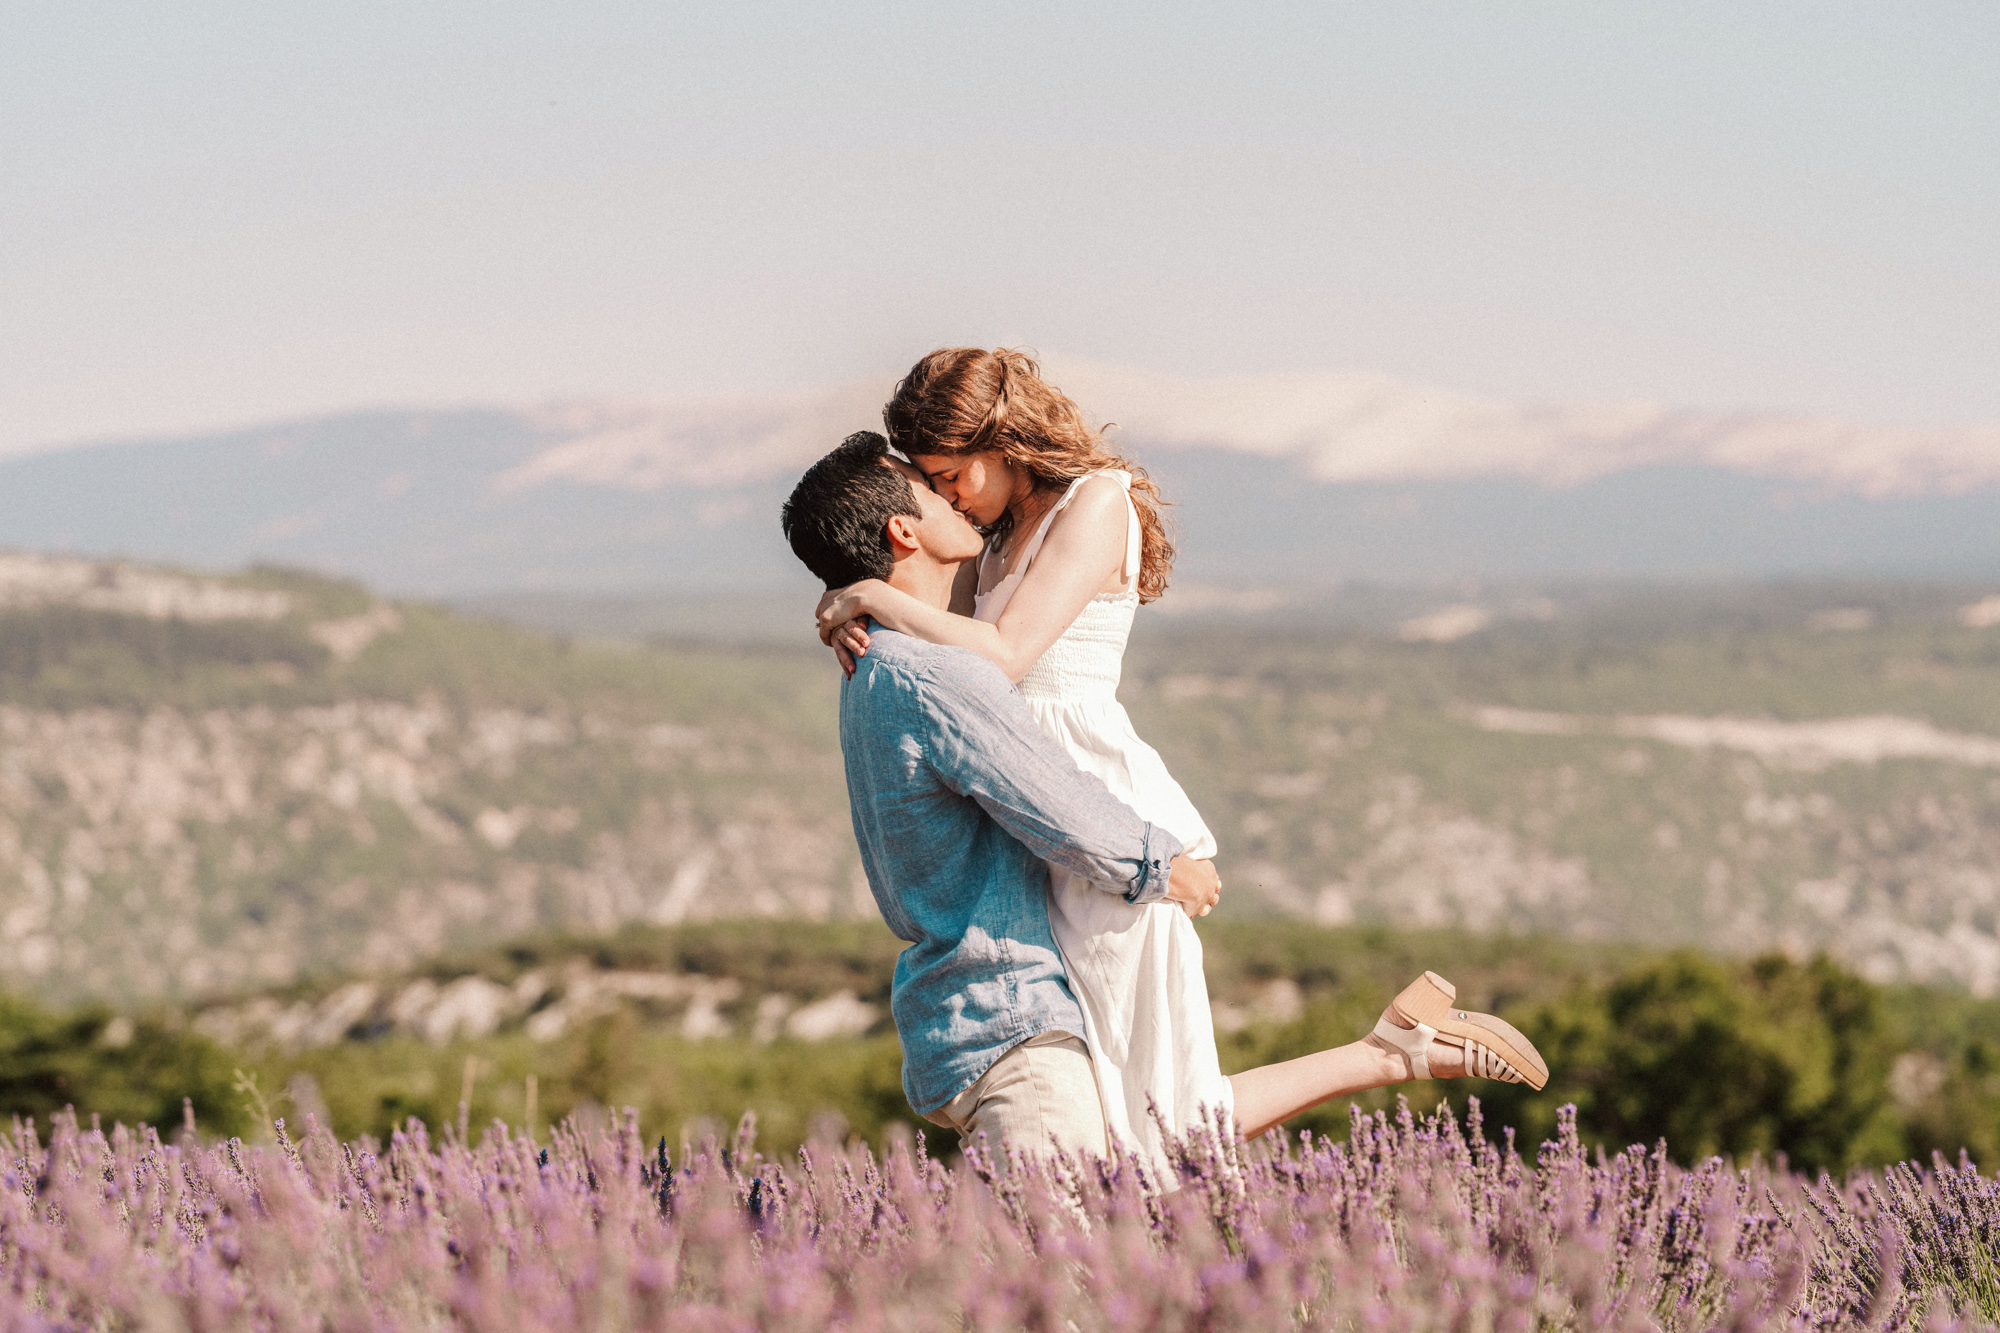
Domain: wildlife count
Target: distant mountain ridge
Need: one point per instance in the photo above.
(1285, 479)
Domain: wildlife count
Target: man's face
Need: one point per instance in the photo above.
(945, 533)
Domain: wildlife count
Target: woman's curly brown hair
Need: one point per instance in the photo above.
(966, 400)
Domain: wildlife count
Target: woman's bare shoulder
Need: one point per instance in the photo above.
(1099, 502)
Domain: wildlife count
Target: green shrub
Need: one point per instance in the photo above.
(1769, 1056)
(136, 1072)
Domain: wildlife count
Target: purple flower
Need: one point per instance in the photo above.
(1412, 1222)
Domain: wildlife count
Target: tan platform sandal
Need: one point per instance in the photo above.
(1493, 1048)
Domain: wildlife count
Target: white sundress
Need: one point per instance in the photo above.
(1136, 971)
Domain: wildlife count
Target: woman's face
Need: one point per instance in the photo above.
(979, 486)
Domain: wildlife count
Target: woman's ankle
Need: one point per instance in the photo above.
(1393, 1066)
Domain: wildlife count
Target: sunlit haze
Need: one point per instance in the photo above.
(216, 214)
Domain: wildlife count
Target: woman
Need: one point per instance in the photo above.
(1075, 546)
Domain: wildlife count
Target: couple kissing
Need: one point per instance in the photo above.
(1036, 854)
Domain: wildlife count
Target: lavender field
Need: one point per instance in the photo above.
(1411, 1223)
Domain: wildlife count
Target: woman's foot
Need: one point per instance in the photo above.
(1437, 1040)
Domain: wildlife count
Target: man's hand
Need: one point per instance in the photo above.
(1193, 885)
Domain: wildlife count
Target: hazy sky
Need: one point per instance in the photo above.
(214, 213)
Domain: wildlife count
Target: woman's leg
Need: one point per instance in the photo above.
(1269, 1095)
(1422, 1034)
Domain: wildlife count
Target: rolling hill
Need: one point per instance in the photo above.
(209, 785)
(303, 777)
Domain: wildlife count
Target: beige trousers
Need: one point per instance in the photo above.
(1039, 1092)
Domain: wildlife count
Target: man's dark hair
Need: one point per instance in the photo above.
(837, 519)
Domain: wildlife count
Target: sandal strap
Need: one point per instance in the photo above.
(1485, 1062)
(1414, 1043)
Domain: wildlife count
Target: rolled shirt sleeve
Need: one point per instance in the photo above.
(982, 742)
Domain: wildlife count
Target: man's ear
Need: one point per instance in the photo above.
(903, 535)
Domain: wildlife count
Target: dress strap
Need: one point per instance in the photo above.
(1132, 536)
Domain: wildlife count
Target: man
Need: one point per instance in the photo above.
(959, 802)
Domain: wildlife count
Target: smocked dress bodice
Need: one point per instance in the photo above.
(1083, 666)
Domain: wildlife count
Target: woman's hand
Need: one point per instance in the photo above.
(839, 617)
(837, 606)
(849, 642)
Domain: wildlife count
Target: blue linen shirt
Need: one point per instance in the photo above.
(960, 801)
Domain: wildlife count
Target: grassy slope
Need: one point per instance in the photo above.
(65, 658)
